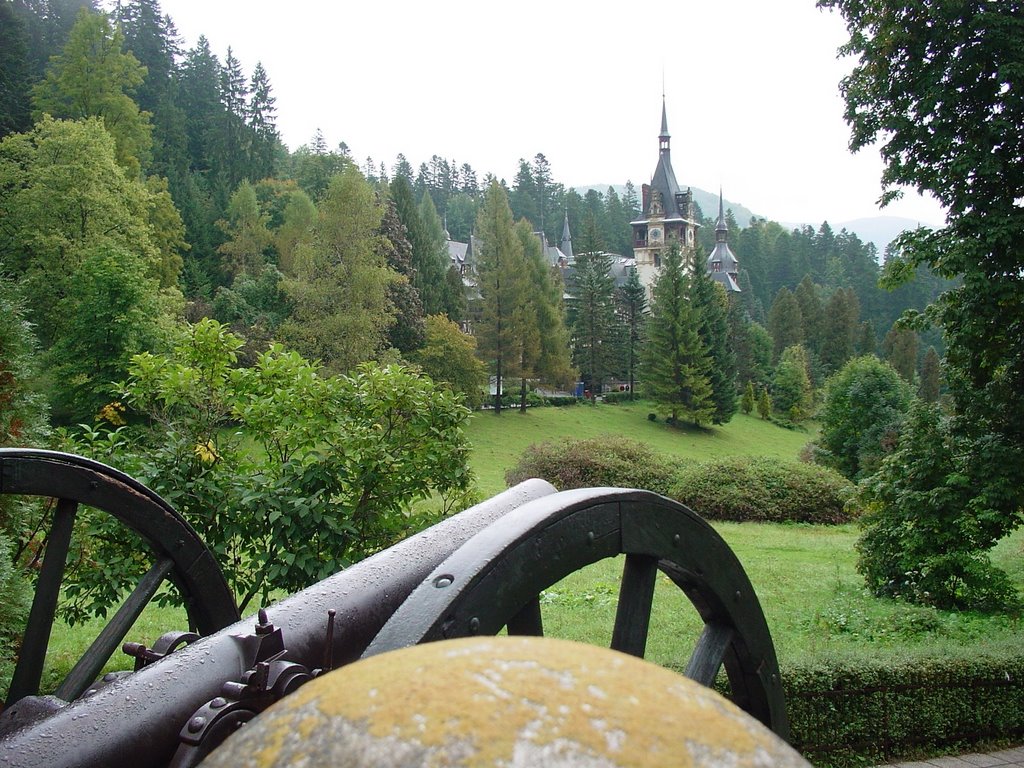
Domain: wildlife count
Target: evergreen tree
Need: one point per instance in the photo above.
(931, 376)
(592, 310)
(764, 405)
(407, 333)
(866, 339)
(792, 394)
(785, 323)
(842, 318)
(812, 314)
(502, 284)
(747, 401)
(200, 98)
(711, 306)
(900, 348)
(15, 80)
(553, 364)
(433, 262)
(676, 365)
(262, 123)
(632, 303)
(526, 318)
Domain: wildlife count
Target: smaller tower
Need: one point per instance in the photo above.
(722, 264)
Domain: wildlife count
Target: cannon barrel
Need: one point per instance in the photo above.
(135, 721)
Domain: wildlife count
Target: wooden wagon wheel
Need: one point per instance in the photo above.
(179, 556)
(494, 580)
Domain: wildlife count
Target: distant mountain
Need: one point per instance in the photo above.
(880, 230)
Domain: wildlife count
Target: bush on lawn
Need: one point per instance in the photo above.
(762, 489)
(600, 461)
(855, 713)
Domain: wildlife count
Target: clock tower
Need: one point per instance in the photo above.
(667, 215)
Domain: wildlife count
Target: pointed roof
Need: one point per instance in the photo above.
(721, 228)
(664, 179)
(722, 264)
(566, 244)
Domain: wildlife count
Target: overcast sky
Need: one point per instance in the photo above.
(751, 88)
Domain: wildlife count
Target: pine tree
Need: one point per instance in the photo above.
(900, 349)
(676, 364)
(811, 312)
(931, 376)
(502, 283)
(262, 123)
(553, 364)
(785, 323)
(747, 401)
(433, 262)
(592, 320)
(764, 405)
(842, 318)
(711, 305)
(792, 395)
(632, 300)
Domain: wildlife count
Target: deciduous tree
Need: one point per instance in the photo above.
(937, 86)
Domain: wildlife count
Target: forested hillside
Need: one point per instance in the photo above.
(146, 183)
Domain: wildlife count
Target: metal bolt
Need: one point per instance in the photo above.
(590, 537)
(737, 596)
(110, 677)
(196, 724)
(676, 540)
(474, 625)
(218, 702)
(443, 581)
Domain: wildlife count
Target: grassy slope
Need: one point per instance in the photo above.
(804, 576)
(498, 441)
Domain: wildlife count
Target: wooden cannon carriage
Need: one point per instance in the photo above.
(476, 573)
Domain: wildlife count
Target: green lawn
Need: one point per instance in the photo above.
(498, 441)
(813, 599)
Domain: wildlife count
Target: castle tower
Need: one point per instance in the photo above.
(667, 214)
(722, 264)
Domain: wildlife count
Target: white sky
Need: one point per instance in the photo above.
(751, 88)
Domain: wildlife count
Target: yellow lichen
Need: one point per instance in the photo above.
(492, 696)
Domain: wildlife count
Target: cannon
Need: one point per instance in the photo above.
(479, 572)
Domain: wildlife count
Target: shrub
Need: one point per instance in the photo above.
(926, 536)
(601, 461)
(865, 406)
(618, 397)
(761, 489)
(560, 401)
(14, 603)
(843, 712)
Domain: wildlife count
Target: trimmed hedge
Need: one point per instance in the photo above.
(600, 461)
(761, 489)
(855, 713)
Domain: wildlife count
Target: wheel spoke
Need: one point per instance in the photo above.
(29, 671)
(528, 620)
(108, 640)
(633, 616)
(709, 652)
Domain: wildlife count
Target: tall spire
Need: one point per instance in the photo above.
(566, 244)
(663, 137)
(721, 228)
